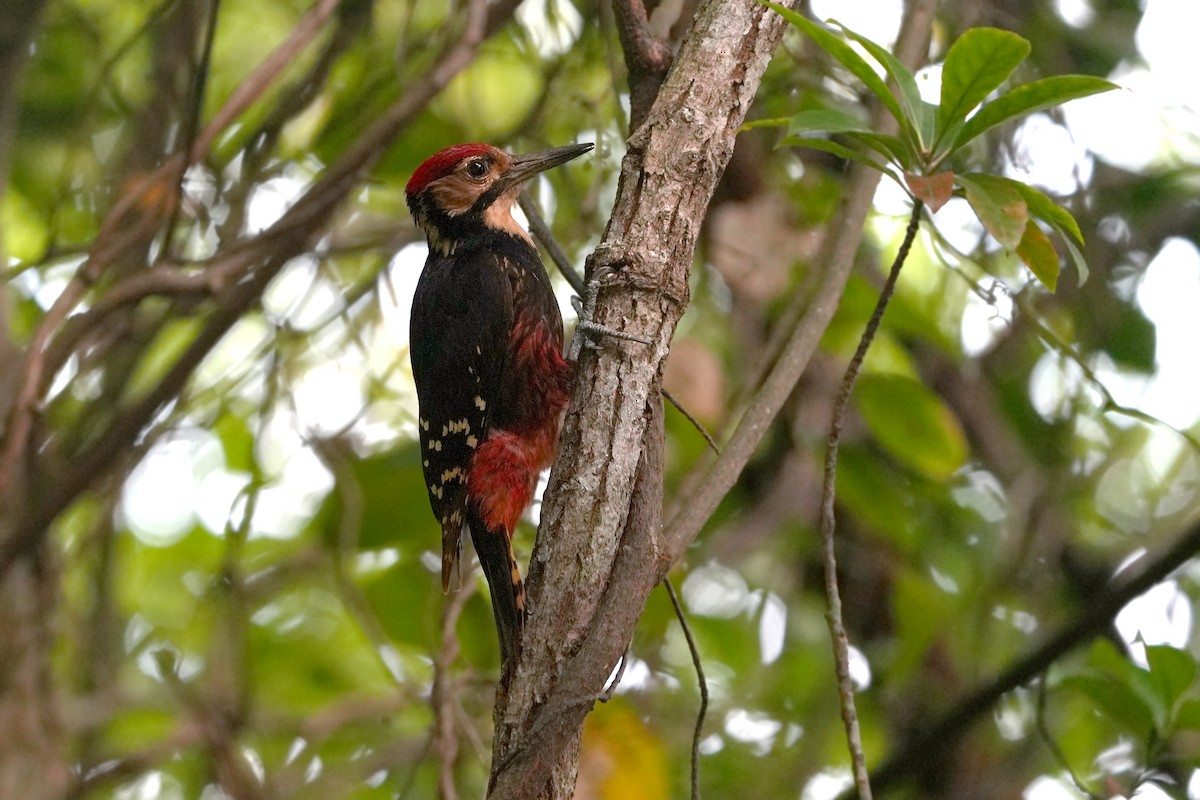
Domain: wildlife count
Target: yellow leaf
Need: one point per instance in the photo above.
(622, 757)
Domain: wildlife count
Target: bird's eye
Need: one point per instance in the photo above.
(477, 168)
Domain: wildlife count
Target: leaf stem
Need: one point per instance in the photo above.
(837, 630)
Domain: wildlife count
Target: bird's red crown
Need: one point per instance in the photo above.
(443, 162)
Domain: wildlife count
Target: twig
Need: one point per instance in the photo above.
(191, 124)
(441, 697)
(539, 228)
(103, 251)
(700, 681)
(332, 451)
(1110, 404)
(837, 630)
(697, 424)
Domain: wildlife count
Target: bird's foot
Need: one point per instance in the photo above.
(588, 333)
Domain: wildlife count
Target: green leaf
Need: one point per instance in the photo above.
(910, 95)
(927, 118)
(999, 206)
(772, 122)
(922, 616)
(1187, 718)
(1050, 212)
(237, 441)
(1116, 699)
(912, 424)
(172, 340)
(892, 148)
(975, 65)
(1029, 98)
(387, 502)
(406, 599)
(872, 496)
(1172, 672)
(845, 54)
(836, 149)
(1036, 250)
(825, 120)
(1047, 210)
(1131, 338)
(1077, 258)
(25, 236)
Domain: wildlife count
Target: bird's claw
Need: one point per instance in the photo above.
(587, 332)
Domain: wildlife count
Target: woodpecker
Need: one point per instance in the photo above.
(486, 344)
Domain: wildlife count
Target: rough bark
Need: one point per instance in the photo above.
(597, 558)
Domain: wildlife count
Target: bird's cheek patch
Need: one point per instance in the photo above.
(454, 195)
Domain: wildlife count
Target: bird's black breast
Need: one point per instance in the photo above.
(462, 316)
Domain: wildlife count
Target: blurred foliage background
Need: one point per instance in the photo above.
(247, 605)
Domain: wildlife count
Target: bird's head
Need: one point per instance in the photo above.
(467, 190)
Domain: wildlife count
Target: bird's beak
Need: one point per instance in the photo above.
(522, 168)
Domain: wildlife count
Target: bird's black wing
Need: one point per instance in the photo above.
(462, 316)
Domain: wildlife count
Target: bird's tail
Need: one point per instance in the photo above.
(499, 563)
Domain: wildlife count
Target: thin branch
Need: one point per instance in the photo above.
(442, 695)
(1110, 403)
(950, 254)
(837, 630)
(542, 232)
(697, 424)
(116, 235)
(700, 681)
(191, 122)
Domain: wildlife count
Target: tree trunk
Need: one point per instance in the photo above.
(597, 558)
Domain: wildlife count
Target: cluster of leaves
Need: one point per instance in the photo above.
(1154, 708)
(932, 136)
